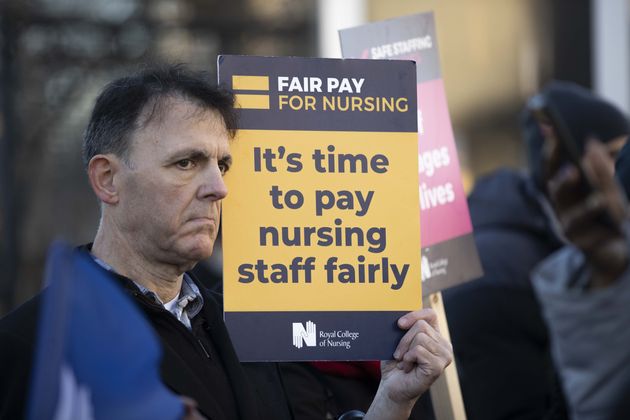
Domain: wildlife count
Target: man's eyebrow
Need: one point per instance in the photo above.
(189, 153)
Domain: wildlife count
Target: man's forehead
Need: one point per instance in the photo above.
(182, 125)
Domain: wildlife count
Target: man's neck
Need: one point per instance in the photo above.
(119, 252)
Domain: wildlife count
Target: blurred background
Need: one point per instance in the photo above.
(55, 56)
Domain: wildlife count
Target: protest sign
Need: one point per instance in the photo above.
(321, 233)
(449, 254)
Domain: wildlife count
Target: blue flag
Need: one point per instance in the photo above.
(97, 357)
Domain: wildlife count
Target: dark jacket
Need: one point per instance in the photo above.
(499, 337)
(257, 395)
(17, 340)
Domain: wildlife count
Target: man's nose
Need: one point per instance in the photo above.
(213, 184)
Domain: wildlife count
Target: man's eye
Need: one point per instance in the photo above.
(223, 167)
(185, 164)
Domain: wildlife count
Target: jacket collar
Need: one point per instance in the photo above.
(173, 368)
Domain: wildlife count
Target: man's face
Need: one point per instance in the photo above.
(171, 191)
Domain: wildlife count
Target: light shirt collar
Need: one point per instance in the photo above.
(186, 305)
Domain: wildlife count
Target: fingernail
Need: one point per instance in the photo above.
(396, 354)
(402, 322)
(399, 365)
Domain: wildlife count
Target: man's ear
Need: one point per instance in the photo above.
(102, 171)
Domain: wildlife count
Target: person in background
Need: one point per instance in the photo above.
(584, 288)
(499, 336)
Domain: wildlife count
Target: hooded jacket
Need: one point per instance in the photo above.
(499, 337)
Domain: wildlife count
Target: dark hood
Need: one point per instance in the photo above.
(507, 199)
(585, 114)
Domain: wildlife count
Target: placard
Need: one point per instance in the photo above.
(449, 254)
(321, 233)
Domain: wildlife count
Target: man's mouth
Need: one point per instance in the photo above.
(203, 220)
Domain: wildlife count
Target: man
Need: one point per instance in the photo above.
(495, 322)
(156, 149)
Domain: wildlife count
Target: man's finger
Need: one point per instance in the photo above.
(423, 356)
(406, 321)
(419, 327)
(419, 356)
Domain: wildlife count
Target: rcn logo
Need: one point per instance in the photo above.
(303, 335)
(425, 267)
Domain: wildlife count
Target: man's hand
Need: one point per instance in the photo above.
(420, 358)
(591, 218)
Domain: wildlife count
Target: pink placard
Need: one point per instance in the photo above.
(444, 210)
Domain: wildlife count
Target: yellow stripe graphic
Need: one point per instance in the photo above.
(250, 82)
(249, 101)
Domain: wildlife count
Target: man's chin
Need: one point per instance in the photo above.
(198, 251)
